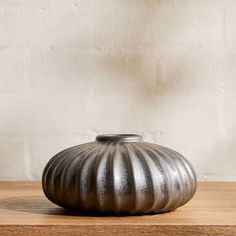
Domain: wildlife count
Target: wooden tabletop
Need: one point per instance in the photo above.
(24, 210)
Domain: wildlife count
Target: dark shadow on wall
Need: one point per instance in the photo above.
(120, 52)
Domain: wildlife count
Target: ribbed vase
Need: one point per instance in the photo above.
(119, 174)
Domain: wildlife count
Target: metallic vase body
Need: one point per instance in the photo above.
(119, 174)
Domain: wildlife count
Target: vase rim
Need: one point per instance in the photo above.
(119, 138)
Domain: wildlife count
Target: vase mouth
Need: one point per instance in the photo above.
(119, 138)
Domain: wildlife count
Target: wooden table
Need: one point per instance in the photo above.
(25, 211)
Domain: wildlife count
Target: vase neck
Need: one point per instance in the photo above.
(119, 138)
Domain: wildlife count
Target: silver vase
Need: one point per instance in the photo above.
(119, 174)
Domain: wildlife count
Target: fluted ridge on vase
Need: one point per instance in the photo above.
(131, 177)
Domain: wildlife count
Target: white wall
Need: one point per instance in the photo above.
(72, 69)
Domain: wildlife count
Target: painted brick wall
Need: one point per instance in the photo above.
(72, 69)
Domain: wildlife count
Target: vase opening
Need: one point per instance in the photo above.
(119, 138)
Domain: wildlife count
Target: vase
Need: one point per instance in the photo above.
(119, 174)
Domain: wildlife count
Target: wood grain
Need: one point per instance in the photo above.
(25, 211)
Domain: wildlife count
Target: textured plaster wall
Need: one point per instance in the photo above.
(72, 69)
